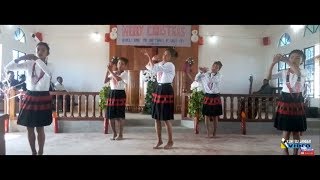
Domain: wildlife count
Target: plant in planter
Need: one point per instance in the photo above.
(103, 95)
(195, 104)
(150, 78)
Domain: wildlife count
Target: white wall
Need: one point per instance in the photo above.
(82, 62)
(79, 60)
(241, 53)
(9, 43)
(297, 42)
(73, 54)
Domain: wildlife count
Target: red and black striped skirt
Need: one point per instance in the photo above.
(116, 104)
(290, 115)
(36, 109)
(212, 105)
(163, 102)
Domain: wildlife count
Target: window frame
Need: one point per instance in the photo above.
(310, 64)
(21, 39)
(284, 40)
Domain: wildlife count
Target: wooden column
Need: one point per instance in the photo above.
(3, 118)
(55, 122)
(132, 91)
(12, 104)
(10, 108)
(177, 88)
(142, 86)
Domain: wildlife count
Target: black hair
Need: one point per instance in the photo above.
(10, 72)
(172, 52)
(218, 63)
(45, 45)
(300, 52)
(114, 60)
(125, 60)
(59, 77)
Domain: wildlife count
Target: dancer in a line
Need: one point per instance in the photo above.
(116, 101)
(290, 116)
(163, 97)
(36, 108)
(212, 107)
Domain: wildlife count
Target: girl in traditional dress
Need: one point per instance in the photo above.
(212, 107)
(163, 97)
(36, 108)
(290, 116)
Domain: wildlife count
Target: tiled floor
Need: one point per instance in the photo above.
(140, 140)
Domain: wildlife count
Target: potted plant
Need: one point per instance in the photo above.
(195, 104)
(103, 95)
(150, 78)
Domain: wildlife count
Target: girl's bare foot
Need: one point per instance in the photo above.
(158, 145)
(119, 138)
(214, 135)
(209, 135)
(168, 145)
(114, 137)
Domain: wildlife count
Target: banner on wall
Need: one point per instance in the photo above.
(154, 35)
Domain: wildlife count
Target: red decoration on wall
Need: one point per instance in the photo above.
(39, 36)
(266, 41)
(201, 40)
(107, 37)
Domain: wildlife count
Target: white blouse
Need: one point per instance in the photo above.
(33, 82)
(292, 79)
(59, 87)
(119, 85)
(165, 72)
(211, 82)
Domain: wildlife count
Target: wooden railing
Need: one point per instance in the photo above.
(67, 106)
(262, 105)
(81, 103)
(84, 106)
(254, 108)
(76, 106)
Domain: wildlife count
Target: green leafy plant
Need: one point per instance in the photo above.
(195, 103)
(103, 95)
(148, 99)
(151, 79)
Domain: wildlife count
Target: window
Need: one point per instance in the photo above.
(284, 40)
(15, 55)
(19, 35)
(317, 77)
(282, 66)
(310, 69)
(317, 71)
(310, 29)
